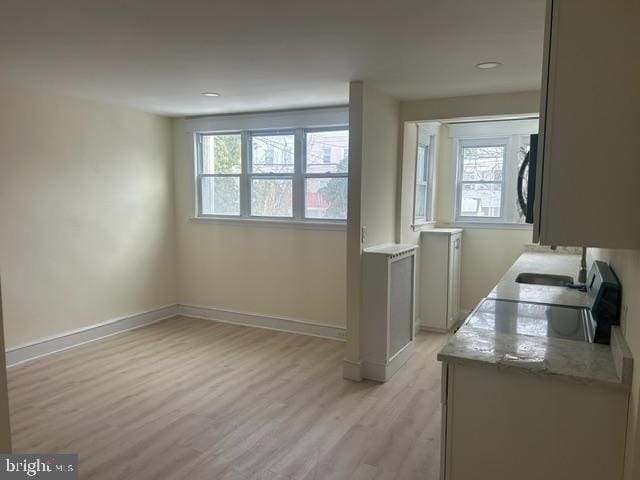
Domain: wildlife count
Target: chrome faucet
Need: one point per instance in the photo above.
(582, 274)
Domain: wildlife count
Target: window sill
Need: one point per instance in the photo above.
(422, 226)
(259, 222)
(489, 225)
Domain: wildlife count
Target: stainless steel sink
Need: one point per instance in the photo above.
(544, 279)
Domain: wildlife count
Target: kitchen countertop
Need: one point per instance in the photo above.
(585, 363)
(555, 263)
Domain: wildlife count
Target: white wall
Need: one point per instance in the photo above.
(626, 265)
(374, 123)
(281, 271)
(487, 253)
(472, 106)
(381, 125)
(86, 213)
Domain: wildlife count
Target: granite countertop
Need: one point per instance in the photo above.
(580, 362)
(554, 263)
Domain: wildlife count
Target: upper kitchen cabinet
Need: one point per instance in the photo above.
(588, 176)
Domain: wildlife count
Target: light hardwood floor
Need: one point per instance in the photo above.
(195, 399)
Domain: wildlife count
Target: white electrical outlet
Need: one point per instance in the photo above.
(363, 236)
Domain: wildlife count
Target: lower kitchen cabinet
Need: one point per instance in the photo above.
(503, 425)
(440, 253)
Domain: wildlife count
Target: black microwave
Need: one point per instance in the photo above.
(527, 180)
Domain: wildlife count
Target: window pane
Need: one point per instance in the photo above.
(221, 154)
(327, 152)
(481, 200)
(421, 201)
(221, 195)
(421, 164)
(272, 153)
(326, 198)
(271, 197)
(483, 163)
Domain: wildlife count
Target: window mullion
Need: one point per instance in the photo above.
(325, 175)
(298, 175)
(245, 181)
(198, 182)
(430, 172)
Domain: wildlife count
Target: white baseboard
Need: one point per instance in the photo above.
(461, 317)
(46, 346)
(270, 322)
(352, 370)
(63, 341)
(381, 372)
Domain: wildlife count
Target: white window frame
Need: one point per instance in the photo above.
(298, 176)
(428, 183)
(306, 175)
(427, 137)
(200, 175)
(248, 175)
(511, 133)
(482, 142)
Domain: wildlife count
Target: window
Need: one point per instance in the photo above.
(326, 168)
(489, 155)
(422, 212)
(219, 178)
(422, 208)
(271, 174)
(299, 174)
(326, 155)
(482, 182)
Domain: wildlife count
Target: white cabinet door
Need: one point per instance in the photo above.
(587, 177)
(508, 426)
(440, 278)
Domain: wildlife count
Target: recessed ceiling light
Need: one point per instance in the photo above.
(488, 65)
(211, 94)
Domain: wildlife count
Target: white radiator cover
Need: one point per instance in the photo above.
(388, 309)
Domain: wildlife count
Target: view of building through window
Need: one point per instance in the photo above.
(482, 180)
(423, 171)
(326, 167)
(272, 196)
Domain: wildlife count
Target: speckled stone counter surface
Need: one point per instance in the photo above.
(565, 359)
(554, 263)
(585, 363)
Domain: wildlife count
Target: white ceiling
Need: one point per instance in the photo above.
(159, 55)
